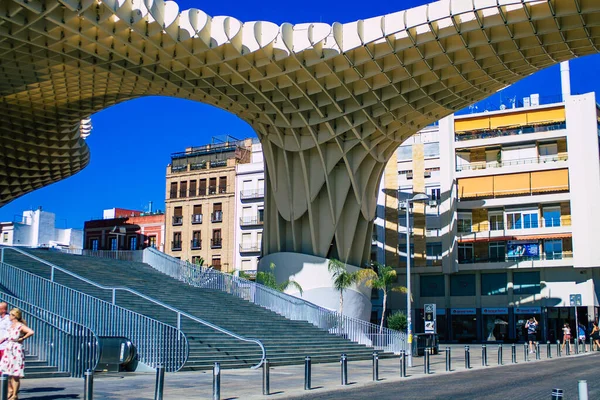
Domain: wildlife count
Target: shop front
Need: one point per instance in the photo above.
(522, 315)
(463, 325)
(495, 324)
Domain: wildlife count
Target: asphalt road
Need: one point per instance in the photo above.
(524, 381)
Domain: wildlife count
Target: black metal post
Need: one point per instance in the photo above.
(402, 363)
(375, 366)
(160, 383)
(526, 352)
(500, 361)
(88, 385)
(483, 355)
(426, 361)
(557, 394)
(4, 387)
(266, 387)
(537, 351)
(307, 373)
(591, 344)
(576, 345)
(558, 349)
(548, 350)
(467, 358)
(344, 363)
(568, 348)
(217, 381)
(513, 350)
(448, 360)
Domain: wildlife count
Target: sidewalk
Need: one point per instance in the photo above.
(285, 381)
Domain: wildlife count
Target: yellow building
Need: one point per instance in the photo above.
(200, 202)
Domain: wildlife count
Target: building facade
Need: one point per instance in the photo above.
(37, 228)
(122, 229)
(509, 231)
(201, 202)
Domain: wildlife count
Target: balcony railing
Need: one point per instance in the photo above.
(218, 164)
(217, 216)
(252, 194)
(212, 190)
(175, 245)
(500, 226)
(178, 168)
(216, 243)
(250, 221)
(222, 189)
(196, 218)
(506, 258)
(196, 244)
(250, 247)
(523, 130)
(507, 163)
(177, 220)
(197, 166)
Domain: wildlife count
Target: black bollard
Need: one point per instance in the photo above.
(537, 351)
(344, 366)
(88, 385)
(500, 361)
(448, 360)
(160, 383)
(217, 381)
(402, 363)
(426, 361)
(375, 366)
(525, 352)
(307, 373)
(568, 348)
(484, 355)
(4, 387)
(558, 350)
(557, 394)
(467, 358)
(266, 387)
(576, 346)
(591, 344)
(513, 350)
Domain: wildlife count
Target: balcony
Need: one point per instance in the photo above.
(250, 221)
(196, 244)
(216, 243)
(177, 220)
(217, 216)
(565, 255)
(218, 164)
(250, 247)
(176, 245)
(474, 166)
(498, 230)
(212, 190)
(178, 168)
(222, 189)
(252, 194)
(197, 166)
(196, 218)
(501, 132)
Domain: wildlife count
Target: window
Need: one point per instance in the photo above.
(152, 241)
(497, 251)
(173, 191)
(246, 265)
(432, 286)
(496, 219)
(183, 189)
(197, 214)
(178, 216)
(193, 188)
(464, 222)
(176, 244)
(196, 240)
(494, 284)
(463, 160)
(261, 215)
(526, 282)
(519, 154)
(197, 260)
(212, 186)
(465, 252)
(462, 285)
(216, 241)
(548, 152)
(434, 196)
(93, 243)
(553, 249)
(551, 216)
(405, 153)
(114, 243)
(133, 243)
(526, 219)
(216, 263)
(217, 215)
(431, 150)
(202, 191)
(223, 184)
(434, 252)
(492, 158)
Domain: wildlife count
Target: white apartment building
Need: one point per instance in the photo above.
(38, 229)
(250, 204)
(512, 231)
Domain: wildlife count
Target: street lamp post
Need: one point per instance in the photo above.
(420, 197)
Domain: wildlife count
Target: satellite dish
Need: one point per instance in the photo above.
(502, 107)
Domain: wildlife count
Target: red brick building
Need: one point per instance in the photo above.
(125, 230)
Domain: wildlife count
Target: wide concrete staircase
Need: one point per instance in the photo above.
(286, 341)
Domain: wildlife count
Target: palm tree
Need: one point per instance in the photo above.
(268, 280)
(383, 279)
(342, 279)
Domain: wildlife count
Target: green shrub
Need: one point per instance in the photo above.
(397, 321)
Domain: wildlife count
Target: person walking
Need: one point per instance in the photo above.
(531, 326)
(566, 335)
(595, 334)
(4, 325)
(581, 333)
(13, 360)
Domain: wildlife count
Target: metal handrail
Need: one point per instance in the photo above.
(289, 306)
(75, 355)
(147, 298)
(104, 318)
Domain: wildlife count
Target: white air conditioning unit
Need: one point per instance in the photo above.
(409, 175)
(432, 203)
(427, 174)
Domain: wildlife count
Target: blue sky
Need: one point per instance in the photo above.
(131, 143)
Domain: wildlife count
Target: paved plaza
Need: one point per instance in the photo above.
(526, 380)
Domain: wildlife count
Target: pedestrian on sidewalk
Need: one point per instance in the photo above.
(13, 360)
(581, 333)
(566, 335)
(532, 327)
(4, 325)
(595, 334)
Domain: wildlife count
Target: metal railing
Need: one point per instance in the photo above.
(216, 216)
(250, 221)
(196, 218)
(121, 255)
(113, 291)
(64, 344)
(177, 220)
(252, 194)
(507, 163)
(291, 307)
(507, 258)
(486, 227)
(499, 132)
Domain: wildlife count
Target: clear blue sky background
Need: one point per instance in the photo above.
(132, 142)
